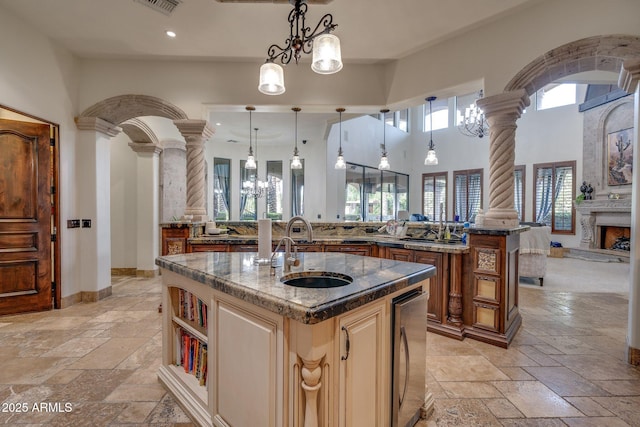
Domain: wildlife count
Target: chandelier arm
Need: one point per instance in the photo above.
(326, 22)
(284, 53)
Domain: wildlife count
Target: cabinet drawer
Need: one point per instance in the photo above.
(486, 288)
(486, 316)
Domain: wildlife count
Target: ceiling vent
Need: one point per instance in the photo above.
(163, 6)
(273, 1)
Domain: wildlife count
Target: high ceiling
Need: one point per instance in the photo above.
(371, 31)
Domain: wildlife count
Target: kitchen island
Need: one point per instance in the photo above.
(241, 348)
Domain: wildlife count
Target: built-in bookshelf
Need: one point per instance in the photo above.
(190, 325)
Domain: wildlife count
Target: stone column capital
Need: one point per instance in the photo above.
(506, 103)
(629, 75)
(98, 125)
(145, 147)
(194, 130)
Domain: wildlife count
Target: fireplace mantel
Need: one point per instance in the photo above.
(601, 212)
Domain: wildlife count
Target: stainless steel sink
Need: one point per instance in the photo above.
(316, 279)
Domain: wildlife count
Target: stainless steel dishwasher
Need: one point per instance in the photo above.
(409, 357)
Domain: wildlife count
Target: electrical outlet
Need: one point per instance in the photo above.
(73, 223)
(86, 223)
(297, 229)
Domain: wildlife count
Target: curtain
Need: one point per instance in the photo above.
(475, 196)
(544, 196)
(517, 193)
(221, 188)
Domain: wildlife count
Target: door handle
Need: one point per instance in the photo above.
(347, 344)
(403, 335)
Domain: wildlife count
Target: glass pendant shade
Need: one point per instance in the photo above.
(327, 58)
(384, 163)
(340, 163)
(251, 162)
(431, 159)
(271, 79)
(296, 163)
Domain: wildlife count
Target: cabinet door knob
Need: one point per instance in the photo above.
(347, 344)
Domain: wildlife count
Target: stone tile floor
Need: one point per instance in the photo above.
(94, 364)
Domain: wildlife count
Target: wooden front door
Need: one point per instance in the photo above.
(25, 217)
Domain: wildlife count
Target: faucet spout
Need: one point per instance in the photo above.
(307, 225)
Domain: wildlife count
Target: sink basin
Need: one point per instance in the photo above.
(316, 279)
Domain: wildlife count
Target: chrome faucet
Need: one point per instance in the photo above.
(288, 260)
(288, 240)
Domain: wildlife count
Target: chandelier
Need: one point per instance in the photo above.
(255, 187)
(474, 123)
(324, 46)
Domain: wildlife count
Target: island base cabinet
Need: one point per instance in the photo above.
(264, 369)
(248, 365)
(364, 368)
(245, 358)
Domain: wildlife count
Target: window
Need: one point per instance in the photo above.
(518, 191)
(440, 108)
(297, 190)
(434, 195)
(554, 195)
(248, 203)
(398, 119)
(274, 189)
(556, 95)
(221, 188)
(467, 194)
(373, 195)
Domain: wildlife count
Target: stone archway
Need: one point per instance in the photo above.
(604, 53)
(121, 108)
(617, 53)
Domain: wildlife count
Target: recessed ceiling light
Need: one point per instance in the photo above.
(170, 33)
(218, 124)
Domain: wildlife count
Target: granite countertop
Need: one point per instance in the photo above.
(236, 275)
(379, 239)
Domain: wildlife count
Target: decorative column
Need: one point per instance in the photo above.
(93, 201)
(147, 207)
(195, 133)
(629, 80)
(501, 112)
(311, 373)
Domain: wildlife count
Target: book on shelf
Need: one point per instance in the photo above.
(191, 308)
(192, 355)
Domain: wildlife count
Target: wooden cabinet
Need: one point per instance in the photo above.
(364, 250)
(174, 240)
(208, 247)
(364, 368)
(494, 316)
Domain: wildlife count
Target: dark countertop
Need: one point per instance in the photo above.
(380, 239)
(236, 275)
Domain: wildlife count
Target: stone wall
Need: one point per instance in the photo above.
(599, 122)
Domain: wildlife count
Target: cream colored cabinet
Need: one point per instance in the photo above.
(263, 369)
(222, 358)
(247, 344)
(363, 387)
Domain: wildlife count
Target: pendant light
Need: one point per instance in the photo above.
(340, 163)
(251, 162)
(295, 162)
(431, 159)
(384, 161)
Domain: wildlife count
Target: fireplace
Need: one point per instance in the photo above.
(605, 222)
(615, 238)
